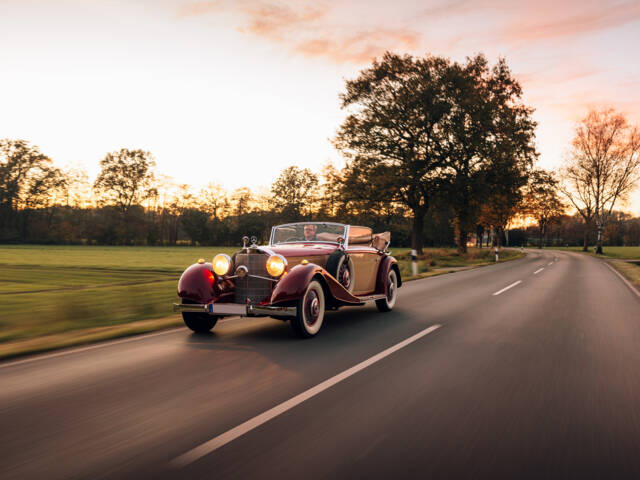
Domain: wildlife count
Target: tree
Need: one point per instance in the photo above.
(603, 167)
(489, 147)
(242, 199)
(294, 191)
(28, 180)
(576, 187)
(331, 198)
(542, 201)
(214, 200)
(126, 178)
(391, 137)
(426, 125)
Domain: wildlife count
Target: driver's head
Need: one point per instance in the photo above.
(310, 231)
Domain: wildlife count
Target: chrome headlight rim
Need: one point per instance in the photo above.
(218, 261)
(284, 264)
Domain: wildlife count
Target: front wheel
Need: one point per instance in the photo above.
(387, 303)
(199, 322)
(310, 311)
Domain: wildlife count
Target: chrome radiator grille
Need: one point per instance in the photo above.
(249, 287)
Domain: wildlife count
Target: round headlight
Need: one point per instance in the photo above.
(276, 265)
(221, 264)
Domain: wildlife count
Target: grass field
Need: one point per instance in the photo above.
(102, 292)
(442, 260)
(51, 289)
(609, 252)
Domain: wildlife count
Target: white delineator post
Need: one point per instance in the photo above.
(496, 250)
(414, 262)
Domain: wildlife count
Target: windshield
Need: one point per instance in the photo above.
(308, 232)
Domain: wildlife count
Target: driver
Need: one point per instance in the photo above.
(310, 232)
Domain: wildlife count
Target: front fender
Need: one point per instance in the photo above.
(199, 284)
(292, 286)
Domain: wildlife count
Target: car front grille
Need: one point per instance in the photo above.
(250, 288)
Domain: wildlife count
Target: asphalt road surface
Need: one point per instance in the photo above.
(466, 378)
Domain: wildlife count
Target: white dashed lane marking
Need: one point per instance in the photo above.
(507, 288)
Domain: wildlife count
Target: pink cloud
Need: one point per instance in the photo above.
(571, 19)
(308, 30)
(272, 19)
(361, 47)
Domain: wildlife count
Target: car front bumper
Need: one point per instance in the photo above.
(234, 309)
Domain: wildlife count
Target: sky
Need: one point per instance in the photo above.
(232, 92)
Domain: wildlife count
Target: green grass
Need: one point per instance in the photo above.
(631, 270)
(609, 252)
(47, 290)
(54, 296)
(442, 260)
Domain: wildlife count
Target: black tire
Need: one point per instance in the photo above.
(199, 322)
(386, 304)
(310, 311)
(340, 266)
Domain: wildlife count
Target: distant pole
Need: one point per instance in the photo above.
(497, 257)
(414, 262)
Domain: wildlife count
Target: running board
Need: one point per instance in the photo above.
(371, 298)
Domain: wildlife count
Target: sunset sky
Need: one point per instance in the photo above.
(234, 91)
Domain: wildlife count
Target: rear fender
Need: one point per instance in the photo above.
(387, 263)
(294, 283)
(199, 284)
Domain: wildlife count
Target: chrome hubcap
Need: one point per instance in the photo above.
(391, 290)
(312, 307)
(345, 277)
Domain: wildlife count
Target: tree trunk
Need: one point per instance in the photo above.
(462, 241)
(599, 244)
(585, 244)
(479, 235)
(416, 232)
(539, 237)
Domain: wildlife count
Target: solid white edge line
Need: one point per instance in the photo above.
(550, 263)
(507, 288)
(230, 435)
(106, 343)
(627, 282)
(538, 271)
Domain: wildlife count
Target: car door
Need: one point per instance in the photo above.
(365, 259)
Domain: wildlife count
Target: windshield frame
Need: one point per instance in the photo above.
(273, 231)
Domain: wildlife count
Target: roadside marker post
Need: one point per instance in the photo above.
(497, 256)
(414, 262)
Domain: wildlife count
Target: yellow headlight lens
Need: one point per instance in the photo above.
(276, 265)
(221, 264)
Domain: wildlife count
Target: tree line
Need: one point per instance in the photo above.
(435, 151)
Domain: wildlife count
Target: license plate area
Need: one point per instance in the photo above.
(227, 309)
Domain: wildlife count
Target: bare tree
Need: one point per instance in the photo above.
(576, 188)
(604, 166)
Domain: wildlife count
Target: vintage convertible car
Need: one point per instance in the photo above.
(307, 268)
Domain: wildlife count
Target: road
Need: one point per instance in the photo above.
(539, 380)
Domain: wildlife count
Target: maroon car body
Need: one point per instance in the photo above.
(341, 265)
